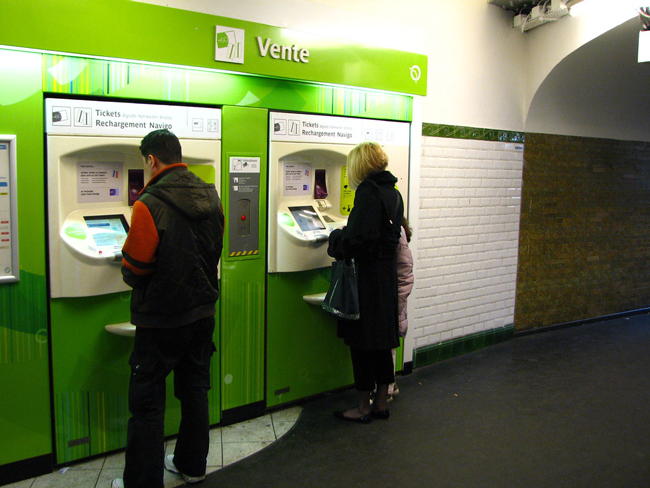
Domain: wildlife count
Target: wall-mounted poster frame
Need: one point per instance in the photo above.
(9, 267)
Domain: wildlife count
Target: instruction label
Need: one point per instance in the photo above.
(347, 194)
(288, 127)
(99, 182)
(245, 165)
(296, 180)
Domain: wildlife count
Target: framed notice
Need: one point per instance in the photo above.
(9, 269)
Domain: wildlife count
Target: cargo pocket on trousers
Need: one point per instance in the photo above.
(144, 394)
(141, 366)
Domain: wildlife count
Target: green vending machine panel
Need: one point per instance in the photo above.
(309, 197)
(94, 174)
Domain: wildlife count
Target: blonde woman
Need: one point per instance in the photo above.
(371, 238)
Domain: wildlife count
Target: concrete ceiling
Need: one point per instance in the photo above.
(516, 6)
(525, 6)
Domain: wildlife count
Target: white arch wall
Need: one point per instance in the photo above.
(546, 46)
(599, 90)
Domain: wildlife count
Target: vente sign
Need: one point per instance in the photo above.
(229, 47)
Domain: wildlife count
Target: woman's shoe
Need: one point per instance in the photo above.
(364, 419)
(380, 414)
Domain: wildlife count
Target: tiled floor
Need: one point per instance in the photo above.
(227, 445)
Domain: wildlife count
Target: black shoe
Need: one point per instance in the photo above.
(380, 414)
(364, 419)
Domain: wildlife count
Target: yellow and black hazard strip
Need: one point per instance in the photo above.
(243, 253)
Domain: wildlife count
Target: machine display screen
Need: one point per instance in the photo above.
(307, 218)
(108, 231)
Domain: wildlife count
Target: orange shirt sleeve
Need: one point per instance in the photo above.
(139, 251)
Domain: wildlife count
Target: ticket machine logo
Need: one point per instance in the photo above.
(416, 73)
(229, 45)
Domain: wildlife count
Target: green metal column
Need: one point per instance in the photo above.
(244, 135)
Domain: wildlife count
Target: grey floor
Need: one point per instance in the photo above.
(227, 445)
(563, 409)
(568, 408)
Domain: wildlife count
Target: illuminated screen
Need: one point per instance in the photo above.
(108, 231)
(307, 218)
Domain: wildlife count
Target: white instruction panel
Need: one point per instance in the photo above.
(297, 179)
(91, 117)
(9, 268)
(99, 181)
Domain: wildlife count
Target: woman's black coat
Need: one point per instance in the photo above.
(371, 237)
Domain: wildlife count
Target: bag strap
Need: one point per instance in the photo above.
(383, 202)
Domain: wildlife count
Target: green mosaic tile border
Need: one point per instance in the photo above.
(458, 132)
(462, 345)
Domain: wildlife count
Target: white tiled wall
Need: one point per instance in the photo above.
(467, 238)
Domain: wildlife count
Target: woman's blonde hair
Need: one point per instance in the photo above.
(365, 159)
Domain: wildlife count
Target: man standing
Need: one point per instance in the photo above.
(170, 258)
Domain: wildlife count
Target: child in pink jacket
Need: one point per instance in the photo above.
(404, 286)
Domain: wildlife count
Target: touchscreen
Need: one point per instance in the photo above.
(307, 218)
(108, 231)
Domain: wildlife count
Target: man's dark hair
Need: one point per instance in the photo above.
(164, 145)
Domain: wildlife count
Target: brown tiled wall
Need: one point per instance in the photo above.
(584, 248)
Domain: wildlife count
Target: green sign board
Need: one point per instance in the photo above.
(137, 31)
